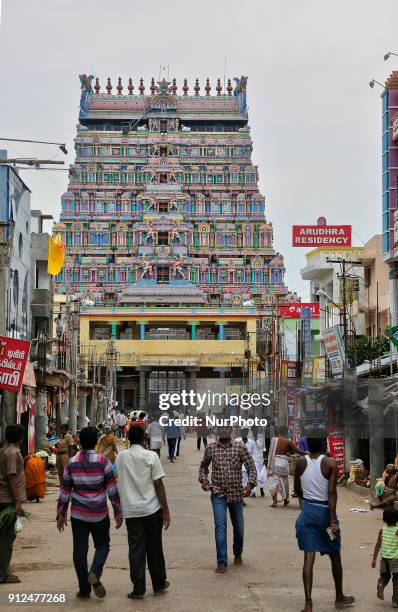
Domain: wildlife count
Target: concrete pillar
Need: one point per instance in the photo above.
(350, 389)
(221, 331)
(142, 331)
(193, 325)
(191, 381)
(114, 330)
(376, 431)
(72, 418)
(9, 405)
(81, 421)
(282, 407)
(94, 405)
(142, 398)
(101, 410)
(143, 370)
(40, 420)
(63, 410)
(89, 410)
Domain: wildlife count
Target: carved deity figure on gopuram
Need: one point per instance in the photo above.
(163, 196)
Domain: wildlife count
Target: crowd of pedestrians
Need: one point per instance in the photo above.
(231, 468)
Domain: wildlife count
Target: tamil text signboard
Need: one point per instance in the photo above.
(321, 235)
(337, 448)
(334, 348)
(13, 357)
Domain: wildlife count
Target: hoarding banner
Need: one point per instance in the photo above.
(305, 317)
(337, 448)
(318, 370)
(321, 235)
(13, 357)
(293, 311)
(334, 348)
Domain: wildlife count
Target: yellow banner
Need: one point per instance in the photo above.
(56, 255)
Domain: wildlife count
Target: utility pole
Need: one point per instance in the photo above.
(343, 277)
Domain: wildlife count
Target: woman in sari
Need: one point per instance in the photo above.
(278, 466)
(35, 478)
(65, 449)
(107, 444)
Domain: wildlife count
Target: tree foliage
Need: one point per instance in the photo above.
(368, 348)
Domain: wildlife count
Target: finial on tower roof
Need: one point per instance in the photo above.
(185, 88)
(109, 86)
(173, 88)
(141, 87)
(218, 88)
(153, 86)
(197, 87)
(119, 87)
(97, 86)
(207, 87)
(229, 87)
(130, 86)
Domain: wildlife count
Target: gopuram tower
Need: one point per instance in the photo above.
(165, 229)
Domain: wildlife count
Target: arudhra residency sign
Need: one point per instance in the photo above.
(321, 235)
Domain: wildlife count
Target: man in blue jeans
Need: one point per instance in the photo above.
(227, 458)
(88, 479)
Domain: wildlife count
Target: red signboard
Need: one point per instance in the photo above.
(293, 310)
(337, 448)
(13, 357)
(321, 235)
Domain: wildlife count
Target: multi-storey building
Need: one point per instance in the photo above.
(15, 253)
(390, 185)
(164, 226)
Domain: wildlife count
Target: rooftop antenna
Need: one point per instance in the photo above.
(225, 69)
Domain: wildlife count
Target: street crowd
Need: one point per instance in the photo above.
(132, 478)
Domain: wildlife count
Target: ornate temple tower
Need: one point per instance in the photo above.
(163, 205)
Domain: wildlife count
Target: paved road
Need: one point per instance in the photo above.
(269, 580)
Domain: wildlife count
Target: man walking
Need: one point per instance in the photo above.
(172, 432)
(227, 458)
(121, 421)
(88, 478)
(202, 431)
(145, 509)
(12, 493)
(317, 527)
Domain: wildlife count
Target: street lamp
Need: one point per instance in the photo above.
(61, 145)
(387, 55)
(373, 82)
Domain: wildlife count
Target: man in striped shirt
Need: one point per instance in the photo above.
(88, 479)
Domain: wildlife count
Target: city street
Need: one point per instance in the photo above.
(269, 580)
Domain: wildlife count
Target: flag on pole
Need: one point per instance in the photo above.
(56, 255)
(392, 334)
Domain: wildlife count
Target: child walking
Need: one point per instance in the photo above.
(388, 542)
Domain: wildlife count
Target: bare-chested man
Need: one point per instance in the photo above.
(317, 527)
(278, 466)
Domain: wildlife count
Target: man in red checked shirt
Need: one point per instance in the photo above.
(227, 457)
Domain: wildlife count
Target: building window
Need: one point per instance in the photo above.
(163, 207)
(163, 125)
(163, 237)
(163, 275)
(163, 178)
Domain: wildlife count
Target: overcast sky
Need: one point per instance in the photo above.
(315, 121)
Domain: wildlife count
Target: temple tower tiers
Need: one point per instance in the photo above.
(163, 204)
